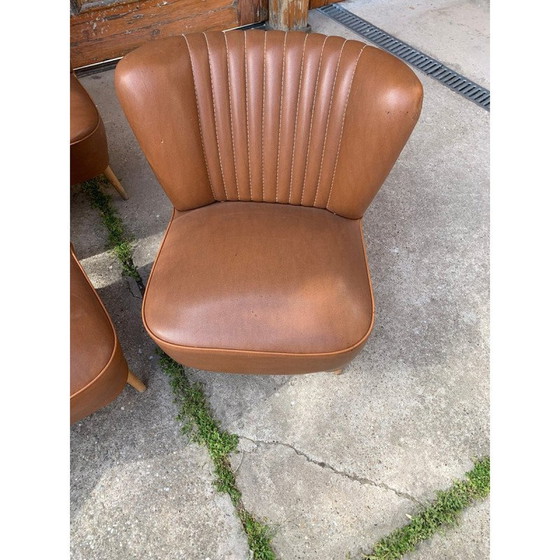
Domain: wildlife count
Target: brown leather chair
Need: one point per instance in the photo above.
(98, 369)
(270, 146)
(89, 155)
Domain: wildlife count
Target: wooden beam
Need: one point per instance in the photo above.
(111, 31)
(288, 15)
(252, 11)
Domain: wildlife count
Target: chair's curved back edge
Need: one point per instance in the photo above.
(271, 116)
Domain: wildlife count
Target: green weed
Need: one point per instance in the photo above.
(442, 512)
(198, 423)
(118, 242)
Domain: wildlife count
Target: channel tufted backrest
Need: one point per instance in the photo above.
(293, 118)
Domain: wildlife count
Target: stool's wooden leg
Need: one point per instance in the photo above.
(115, 182)
(135, 382)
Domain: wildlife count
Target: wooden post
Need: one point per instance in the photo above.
(252, 11)
(288, 15)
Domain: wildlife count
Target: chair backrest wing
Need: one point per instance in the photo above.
(293, 118)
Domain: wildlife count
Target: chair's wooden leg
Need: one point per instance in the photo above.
(135, 382)
(115, 182)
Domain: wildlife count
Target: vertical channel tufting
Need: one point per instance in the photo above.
(308, 124)
(321, 106)
(199, 120)
(262, 116)
(328, 118)
(276, 103)
(274, 62)
(238, 101)
(302, 64)
(231, 113)
(203, 91)
(247, 115)
(283, 73)
(281, 119)
(342, 121)
(291, 84)
(292, 118)
(217, 62)
(254, 80)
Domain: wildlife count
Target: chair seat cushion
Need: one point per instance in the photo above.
(246, 287)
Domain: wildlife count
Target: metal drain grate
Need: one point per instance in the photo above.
(448, 77)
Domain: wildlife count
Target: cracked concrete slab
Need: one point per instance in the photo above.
(356, 452)
(313, 511)
(160, 507)
(324, 465)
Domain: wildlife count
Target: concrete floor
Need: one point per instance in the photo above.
(333, 463)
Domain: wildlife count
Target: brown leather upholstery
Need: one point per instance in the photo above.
(98, 369)
(89, 156)
(271, 146)
(279, 280)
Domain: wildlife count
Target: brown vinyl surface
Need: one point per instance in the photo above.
(298, 118)
(89, 155)
(292, 134)
(260, 277)
(98, 370)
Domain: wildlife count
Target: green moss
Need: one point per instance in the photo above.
(258, 536)
(443, 512)
(118, 242)
(197, 422)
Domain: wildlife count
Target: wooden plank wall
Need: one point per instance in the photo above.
(110, 31)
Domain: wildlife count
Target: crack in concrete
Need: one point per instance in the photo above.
(324, 465)
(131, 292)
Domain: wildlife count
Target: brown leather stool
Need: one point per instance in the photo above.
(270, 146)
(98, 369)
(89, 155)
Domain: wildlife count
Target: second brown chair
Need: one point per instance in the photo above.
(98, 368)
(89, 155)
(270, 146)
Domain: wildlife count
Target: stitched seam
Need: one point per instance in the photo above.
(343, 123)
(297, 115)
(199, 120)
(311, 123)
(89, 134)
(247, 115)
(280, 117)
(231, 117)
(350, 348)
(215, 119)
(263, 113)
(328, 121)
(233, 350)
(156, 260)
